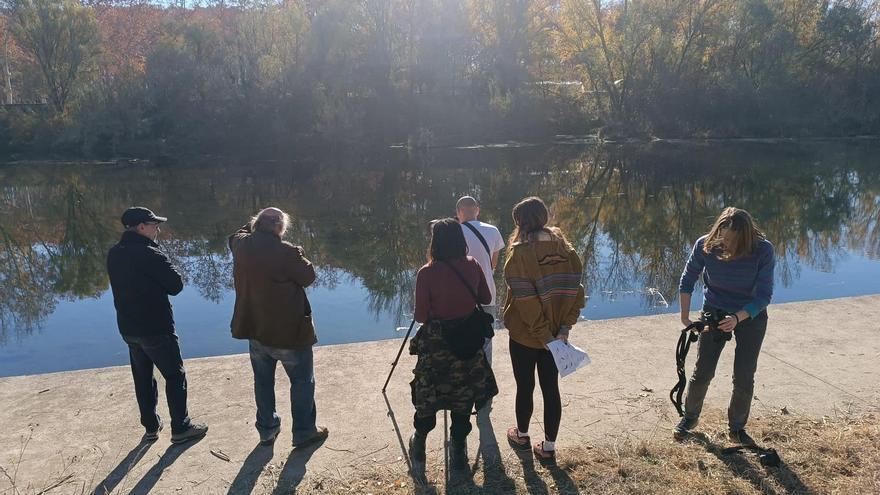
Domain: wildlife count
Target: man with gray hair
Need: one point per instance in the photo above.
(272, 311)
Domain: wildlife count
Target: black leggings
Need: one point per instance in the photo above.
(524, 360)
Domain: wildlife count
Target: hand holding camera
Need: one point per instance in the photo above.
(728, 323)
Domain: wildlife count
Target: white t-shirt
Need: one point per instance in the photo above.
(478, 252)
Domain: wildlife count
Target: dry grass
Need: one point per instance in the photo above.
(840, 456)
(824, 456)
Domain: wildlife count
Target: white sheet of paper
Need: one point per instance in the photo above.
(568, 358)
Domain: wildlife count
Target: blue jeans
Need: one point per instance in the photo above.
(163, 351)
(299, 366)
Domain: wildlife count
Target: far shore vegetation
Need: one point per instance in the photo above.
(136, 78)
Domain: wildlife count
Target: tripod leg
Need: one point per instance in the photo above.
(446, 446)
(399, 352)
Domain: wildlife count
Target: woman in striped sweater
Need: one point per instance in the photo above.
(735, 262)
(544, 299)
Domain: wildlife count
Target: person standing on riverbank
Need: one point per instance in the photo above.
(141, 278)
(544, 300)
(273, 313)
(484, 242)
(451, 371)
(736, 263)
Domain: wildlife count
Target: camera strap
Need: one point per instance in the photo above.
(767, 457)
(689, 335)
(480, 237)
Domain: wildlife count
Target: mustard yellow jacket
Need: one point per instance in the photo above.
(544, 291)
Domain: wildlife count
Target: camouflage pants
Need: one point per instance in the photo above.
(443, 381)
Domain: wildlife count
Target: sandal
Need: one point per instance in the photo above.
(515, 440)
(543, 455)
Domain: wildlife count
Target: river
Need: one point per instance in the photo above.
(633, 214)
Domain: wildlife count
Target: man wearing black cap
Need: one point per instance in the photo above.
(142, 277)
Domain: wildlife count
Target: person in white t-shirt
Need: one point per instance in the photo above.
(484, 248)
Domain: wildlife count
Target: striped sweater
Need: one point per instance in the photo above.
(544, 291)
(741, 284)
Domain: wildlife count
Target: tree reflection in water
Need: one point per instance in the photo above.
(633, 214)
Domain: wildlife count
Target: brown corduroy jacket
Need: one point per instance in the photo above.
(271, 305)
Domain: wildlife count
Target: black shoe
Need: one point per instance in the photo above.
(684, 426)
(268, 438)
(458, 458)
(152, 436)
(321, 434)
(194, 431)
(417, 448)
(740, 437)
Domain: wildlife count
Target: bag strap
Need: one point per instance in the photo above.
(479, 236)
(464, 281)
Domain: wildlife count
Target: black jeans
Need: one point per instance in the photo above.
(458, 430)
(163, 351)
(749, 335)
(525, 360)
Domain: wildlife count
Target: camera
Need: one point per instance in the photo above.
(712, 317)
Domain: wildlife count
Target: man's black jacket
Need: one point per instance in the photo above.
(142, 278)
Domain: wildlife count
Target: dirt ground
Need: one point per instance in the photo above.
(78, 432)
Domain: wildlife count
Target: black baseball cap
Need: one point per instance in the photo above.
(138, 214)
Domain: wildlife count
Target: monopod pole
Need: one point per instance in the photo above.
(394, 364)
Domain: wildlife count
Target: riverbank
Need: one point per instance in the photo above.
(357, 150)
(78, 430)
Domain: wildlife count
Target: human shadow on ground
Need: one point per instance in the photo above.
(534, 484)
(416, 474)
(250, 471)
(295, 468)
(171, 454)
(750, 470)
(495, 478)
(564, 484)
(108, 484)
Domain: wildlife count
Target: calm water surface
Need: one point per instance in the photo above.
(633, 214)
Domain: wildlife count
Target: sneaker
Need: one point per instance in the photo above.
(195, 431)
(152, 436)
(417, 448)
(684, 426)
(544, 455)
(268, 438)
(515, 440)
(321, 433)
(740, 437)
(458, 457)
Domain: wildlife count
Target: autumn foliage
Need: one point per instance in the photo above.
(263, 73)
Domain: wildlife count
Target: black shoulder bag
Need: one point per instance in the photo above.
(465, 336)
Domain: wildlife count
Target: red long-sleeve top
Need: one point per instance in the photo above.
(441, 295)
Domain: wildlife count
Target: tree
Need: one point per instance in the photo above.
(63, 38)
(608, 42)
(7, 74)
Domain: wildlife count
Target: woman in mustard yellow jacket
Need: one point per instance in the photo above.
(544, 299)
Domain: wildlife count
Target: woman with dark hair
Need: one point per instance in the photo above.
(451, 372)
(735, 262)
(544, 299)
